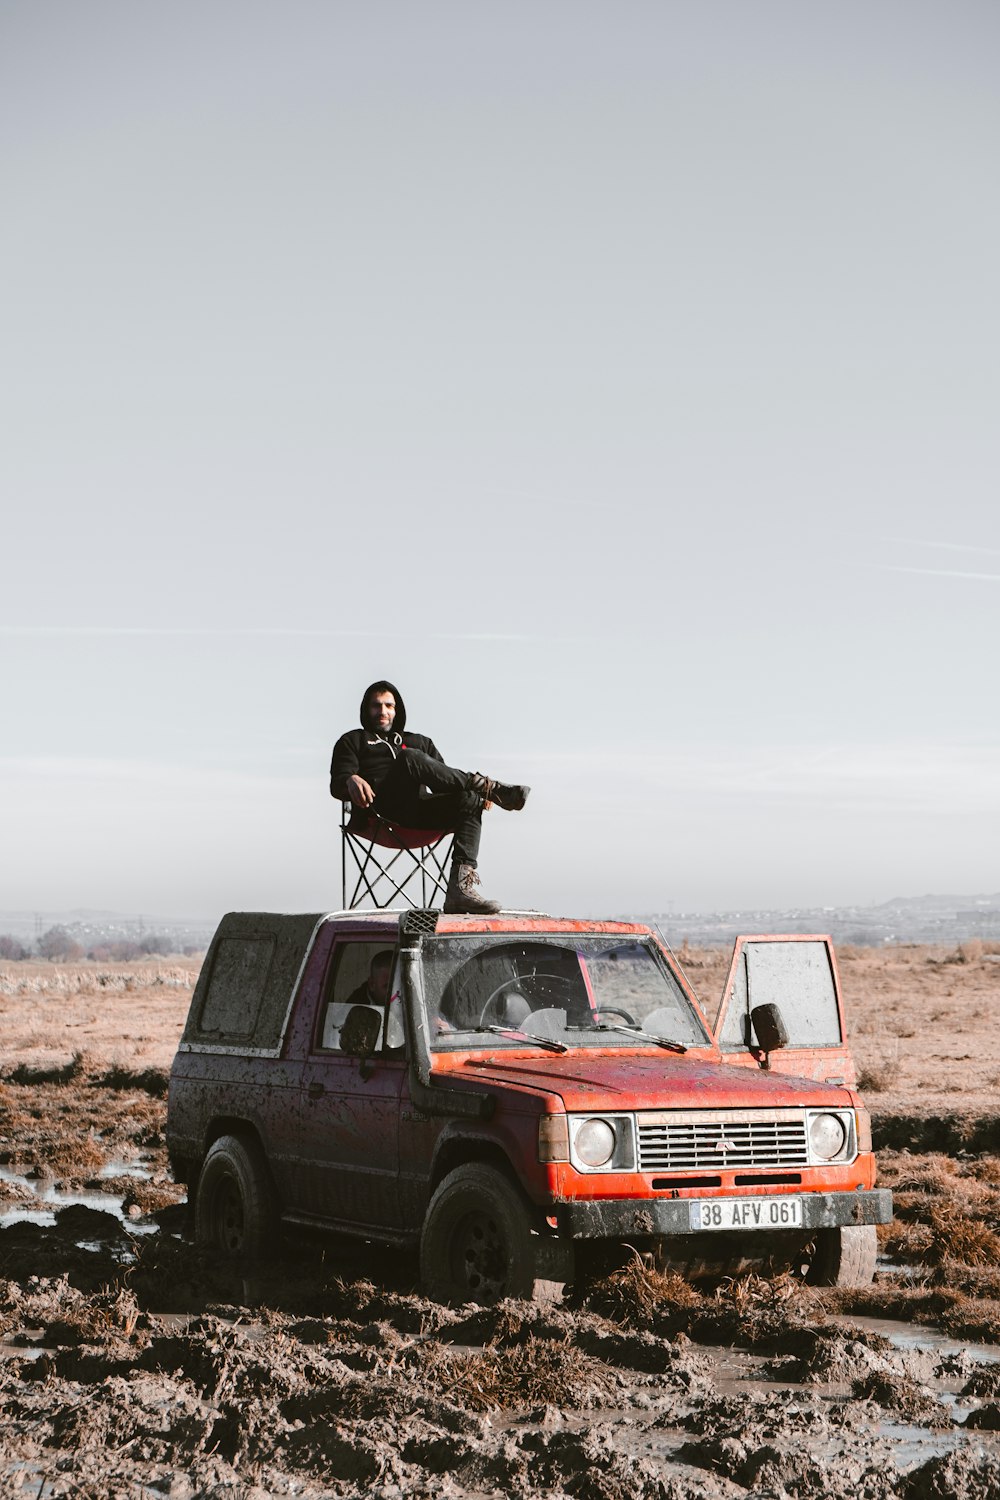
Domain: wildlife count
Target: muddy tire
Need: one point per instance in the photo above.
(476, 1244)
(235, 1210)
(844, 1257)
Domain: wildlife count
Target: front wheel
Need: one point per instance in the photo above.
(844, 1257)
(476, 1244)
(235, 1210)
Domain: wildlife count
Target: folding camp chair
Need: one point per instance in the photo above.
(412, 853)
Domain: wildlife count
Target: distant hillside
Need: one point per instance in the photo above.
(905, 919)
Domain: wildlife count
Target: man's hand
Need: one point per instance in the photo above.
(359, 791)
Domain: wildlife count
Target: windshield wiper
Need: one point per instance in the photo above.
(549, 1042)
(635, 1031)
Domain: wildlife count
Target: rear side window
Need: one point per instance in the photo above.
(236, 987)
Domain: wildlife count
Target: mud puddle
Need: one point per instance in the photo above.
(41, 1202)
(26, 1344)
(911, 1388)
(914, 1336)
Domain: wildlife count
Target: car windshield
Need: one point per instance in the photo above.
(583, 990)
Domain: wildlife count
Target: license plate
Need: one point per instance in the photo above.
(747, 1213)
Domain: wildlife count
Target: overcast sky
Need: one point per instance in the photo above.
(621, 380)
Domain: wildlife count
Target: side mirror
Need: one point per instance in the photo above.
(359, 1035)
(772, 1033)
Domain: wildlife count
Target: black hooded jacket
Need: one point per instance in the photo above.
(368, 753)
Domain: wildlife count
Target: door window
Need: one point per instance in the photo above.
(360, 974)
(796, 977)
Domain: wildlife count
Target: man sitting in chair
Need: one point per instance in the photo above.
(407, 782)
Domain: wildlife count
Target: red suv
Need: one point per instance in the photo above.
(522, 1096)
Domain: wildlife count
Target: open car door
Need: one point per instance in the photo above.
(799, 976)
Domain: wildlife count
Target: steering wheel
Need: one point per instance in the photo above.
(614, 1010)
(517, 985)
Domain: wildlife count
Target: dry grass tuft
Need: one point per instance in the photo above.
(947, 1211)
(910, 1244)
(636, 1292)
(526, 1374)
(100, 1319)
(959, 1238)
(752, 1296)
(972, 1318)
(981, 1283)
(877, 1077)
(71, 1160)
(508, 1326)
(14, 1119)
(933, 1173)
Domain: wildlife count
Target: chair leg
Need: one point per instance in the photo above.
(369, 886)
(428, 862)
(344, 857)
(362, 882)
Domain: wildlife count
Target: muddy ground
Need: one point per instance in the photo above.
(133, 1365)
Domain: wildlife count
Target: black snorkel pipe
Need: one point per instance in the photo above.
(429, 1096)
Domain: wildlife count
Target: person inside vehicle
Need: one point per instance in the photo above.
(407, 781)
(374, 989)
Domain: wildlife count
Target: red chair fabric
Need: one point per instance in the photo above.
(376, 830)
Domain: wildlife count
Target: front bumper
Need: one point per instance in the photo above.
(617, 1218)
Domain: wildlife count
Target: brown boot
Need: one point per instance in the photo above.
(510, 798)
(464, 893)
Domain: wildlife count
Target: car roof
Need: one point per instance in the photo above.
(505, 921)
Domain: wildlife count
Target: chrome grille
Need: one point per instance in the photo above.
(679, 1140)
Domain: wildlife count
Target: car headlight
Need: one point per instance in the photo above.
(827, 1136)
(602, 1143)
(595, 1142)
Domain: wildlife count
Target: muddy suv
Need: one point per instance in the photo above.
(531, 1096)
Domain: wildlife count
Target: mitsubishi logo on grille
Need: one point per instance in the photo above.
(725, 1145)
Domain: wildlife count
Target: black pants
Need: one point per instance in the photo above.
(449, 806)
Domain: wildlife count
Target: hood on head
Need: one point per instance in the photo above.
(399, 722)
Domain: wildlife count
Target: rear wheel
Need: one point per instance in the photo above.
(476, 1244)
(844, 1257)
(235, 1209)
